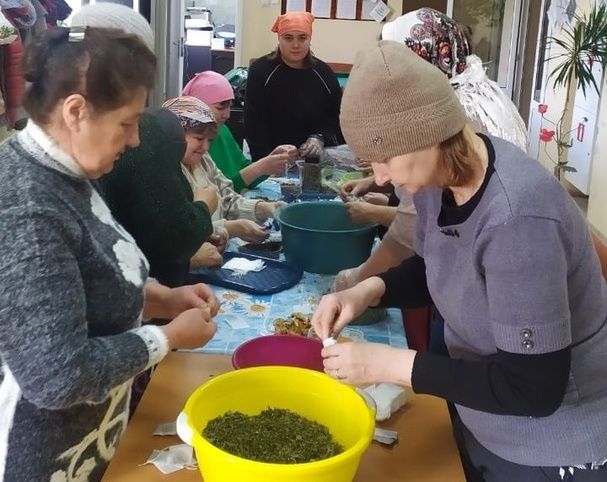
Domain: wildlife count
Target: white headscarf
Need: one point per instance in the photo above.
(488, 109)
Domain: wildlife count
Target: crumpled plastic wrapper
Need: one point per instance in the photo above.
(173, 458)
(384, 436)
(341, 157)
(169, 428)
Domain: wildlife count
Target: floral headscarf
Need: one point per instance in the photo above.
(191, 111)
(433, 36)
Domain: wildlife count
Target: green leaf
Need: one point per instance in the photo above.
(584, 40)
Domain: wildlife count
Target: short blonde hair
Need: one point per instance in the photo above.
(457, 161)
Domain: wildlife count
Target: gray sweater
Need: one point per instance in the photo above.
(71, 296)
(521, 276)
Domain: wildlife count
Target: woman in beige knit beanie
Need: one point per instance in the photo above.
(397, 104)
(507, 258)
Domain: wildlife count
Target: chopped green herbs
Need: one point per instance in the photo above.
(275, 435)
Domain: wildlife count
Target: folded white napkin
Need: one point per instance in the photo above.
(242, 266)
(388, 398)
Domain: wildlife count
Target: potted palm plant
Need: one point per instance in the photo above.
(583, 45)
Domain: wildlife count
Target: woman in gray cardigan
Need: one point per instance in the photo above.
(73, 283)
(507, 258)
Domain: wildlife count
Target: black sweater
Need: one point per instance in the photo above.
(149, 195)
(285, 105)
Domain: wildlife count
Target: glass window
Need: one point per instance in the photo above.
(483, 21)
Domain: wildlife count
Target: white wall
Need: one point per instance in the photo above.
(597, 202)
(223, 11)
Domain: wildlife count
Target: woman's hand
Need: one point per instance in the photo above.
(246, 230)
(274, 164)
(164, 302)
(346, 279)
(288, 149)
(185, 297)
(313, 147)
(336, 310)
(356, 188)
(362, 212)
(367, 363)
(207, 256)
(219, 238)
(191, 329)
(265, 210)
(207, 195)
(376, 198)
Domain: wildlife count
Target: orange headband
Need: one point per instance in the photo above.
(294, 22)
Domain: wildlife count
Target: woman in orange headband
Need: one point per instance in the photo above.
(292, 97)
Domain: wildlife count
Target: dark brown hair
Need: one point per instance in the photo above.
(208, 130)
(104, 65)
(308, 61)
(457, 161)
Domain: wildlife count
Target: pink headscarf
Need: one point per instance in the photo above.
(294, 22)
(209, 87)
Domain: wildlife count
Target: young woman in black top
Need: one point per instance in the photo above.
(292, 97)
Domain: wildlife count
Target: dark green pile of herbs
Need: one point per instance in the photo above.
(276, 436)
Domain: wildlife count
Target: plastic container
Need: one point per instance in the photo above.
(321, 237)
(275, 277)
(279, 350)
(370, 316)
(311, 174)
(310, 394)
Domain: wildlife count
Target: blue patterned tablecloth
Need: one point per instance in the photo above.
(269, 189)
(254, 315)
(243, 316)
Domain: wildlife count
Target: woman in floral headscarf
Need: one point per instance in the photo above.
(433, 36)
(237, 215)
(440, 40)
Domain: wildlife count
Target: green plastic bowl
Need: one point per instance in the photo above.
(321, 237)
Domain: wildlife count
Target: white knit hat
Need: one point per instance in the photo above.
(112, 15)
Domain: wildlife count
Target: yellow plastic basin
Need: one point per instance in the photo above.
(309, 393)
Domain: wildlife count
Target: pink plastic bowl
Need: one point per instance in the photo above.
(283, 350)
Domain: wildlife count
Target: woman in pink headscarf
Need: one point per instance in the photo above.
(214, 90)
(292, 97)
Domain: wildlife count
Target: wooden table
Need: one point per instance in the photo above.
(426, 450)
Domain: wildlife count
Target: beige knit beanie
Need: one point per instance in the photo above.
(395, 103)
